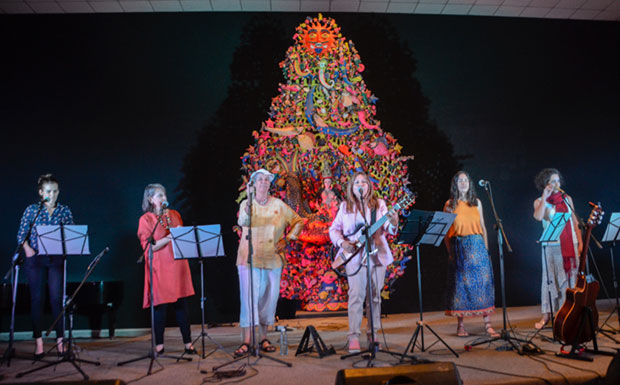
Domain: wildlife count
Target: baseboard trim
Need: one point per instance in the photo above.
(82, 333)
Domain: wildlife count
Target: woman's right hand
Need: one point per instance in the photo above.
(348, 246)
(29, 251)
(547, 192)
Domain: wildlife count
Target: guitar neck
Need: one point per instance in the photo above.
(584, 250)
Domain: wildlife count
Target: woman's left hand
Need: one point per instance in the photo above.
(393, 217)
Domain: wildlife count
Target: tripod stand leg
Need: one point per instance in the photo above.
(442, 341)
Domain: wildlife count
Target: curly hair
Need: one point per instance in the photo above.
(542, 179)
(471, 197)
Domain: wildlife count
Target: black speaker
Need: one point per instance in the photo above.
(612, 377)
(439, 373)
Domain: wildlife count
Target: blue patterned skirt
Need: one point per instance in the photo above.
(470, 290)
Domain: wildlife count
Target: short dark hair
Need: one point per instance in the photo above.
(46, 178)
(542, 179)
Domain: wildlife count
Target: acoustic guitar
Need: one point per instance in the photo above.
(343, 257)
(568, 318)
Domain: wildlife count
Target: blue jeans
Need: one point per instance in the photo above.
(36, 267)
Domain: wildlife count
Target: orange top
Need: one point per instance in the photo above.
(467, 221)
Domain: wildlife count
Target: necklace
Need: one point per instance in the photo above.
(168, 222)
(262, 203)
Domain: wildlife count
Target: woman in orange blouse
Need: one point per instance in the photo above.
(471, 291)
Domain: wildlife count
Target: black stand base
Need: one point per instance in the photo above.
(419, 332)
(576, 352)
(319, 345)
(253, 352)
(371, 353)
(506, 337)
(203, 353)
(153, 356)
(67, 357)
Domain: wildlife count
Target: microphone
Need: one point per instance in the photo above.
(164, 205)
(560, 190)
(360, 191)
(483, 183)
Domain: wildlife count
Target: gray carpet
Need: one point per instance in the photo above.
(483, 364)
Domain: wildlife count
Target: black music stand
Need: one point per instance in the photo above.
(612, 235)
(69, 355)
(424, 227)
(63, 240)
(199, 242)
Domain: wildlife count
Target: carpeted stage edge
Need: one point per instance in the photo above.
(483, 364)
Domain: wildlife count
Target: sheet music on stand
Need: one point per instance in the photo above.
(612, 231)
(72, 241)
(554, 229)
(197, 242)
(426, 227)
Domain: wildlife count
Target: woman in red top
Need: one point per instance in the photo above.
(172, 280)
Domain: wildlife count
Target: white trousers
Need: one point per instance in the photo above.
(266, 294)
(357, 295)
(558, 282)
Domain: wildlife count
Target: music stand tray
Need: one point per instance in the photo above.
(424, 227)
(199, 242)
(72, 240)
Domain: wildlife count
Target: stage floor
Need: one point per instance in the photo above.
(483, 364)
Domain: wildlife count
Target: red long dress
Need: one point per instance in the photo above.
(172, 278)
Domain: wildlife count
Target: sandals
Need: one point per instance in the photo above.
(266, 346)
(490, 331)
(243, 349)
(461, 332)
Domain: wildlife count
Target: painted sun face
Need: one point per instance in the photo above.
(318, 40)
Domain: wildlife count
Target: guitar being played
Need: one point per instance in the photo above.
(345, 233)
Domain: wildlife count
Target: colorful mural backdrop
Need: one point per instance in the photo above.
(321, 128)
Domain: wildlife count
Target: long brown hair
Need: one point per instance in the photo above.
(352, 202)
(471, 198)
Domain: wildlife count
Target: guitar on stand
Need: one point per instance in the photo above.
(359, 239)
(577, 319)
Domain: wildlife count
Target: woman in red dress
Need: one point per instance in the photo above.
(172, 280)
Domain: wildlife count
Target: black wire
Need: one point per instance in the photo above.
(504, 373)
(541, 361)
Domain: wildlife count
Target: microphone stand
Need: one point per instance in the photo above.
(501, 238)
(373, 346)
(152, 354)
(254, 350)
(13, 272)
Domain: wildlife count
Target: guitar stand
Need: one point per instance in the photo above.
(319, 345)
(576, 352)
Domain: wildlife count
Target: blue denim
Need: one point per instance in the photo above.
(36, 268)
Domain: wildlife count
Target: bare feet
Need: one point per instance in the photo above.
(490, 331)
(543, 321)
